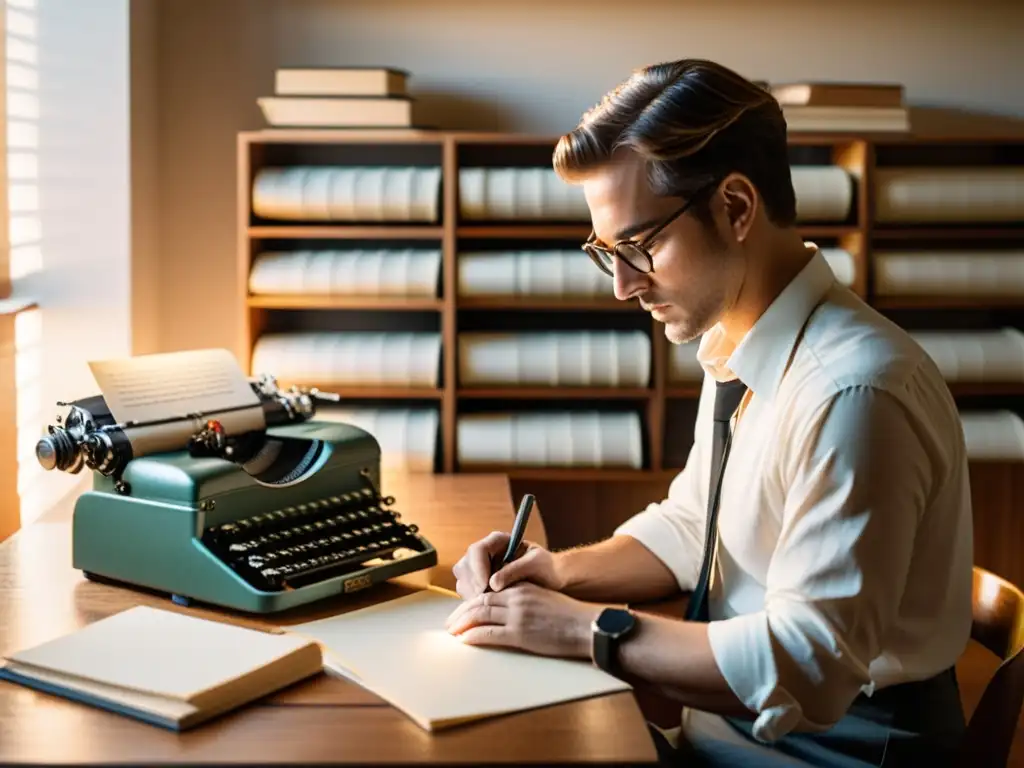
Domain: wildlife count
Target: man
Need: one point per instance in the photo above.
(831, 565)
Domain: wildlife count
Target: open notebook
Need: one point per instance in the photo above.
(401, 651)
(163, 667)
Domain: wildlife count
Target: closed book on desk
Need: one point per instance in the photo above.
(401, 651)
(163, 667)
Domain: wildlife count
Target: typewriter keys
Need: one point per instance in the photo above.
(296, 546)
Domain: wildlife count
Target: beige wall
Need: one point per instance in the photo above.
(527, 65)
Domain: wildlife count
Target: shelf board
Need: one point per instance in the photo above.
(554, 393)
(573, 303)
(591, 474)
(972, 232)
(527, 230)
(524, 230)
(827, 230)
(343, 136)
(683, 391)
(345, 232)
(947, 302)
(958, 388)
(306, 301)
(505, 138)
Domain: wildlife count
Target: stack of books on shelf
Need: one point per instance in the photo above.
(339, 97)
(853, 107)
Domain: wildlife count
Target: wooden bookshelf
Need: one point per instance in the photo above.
(666, 405)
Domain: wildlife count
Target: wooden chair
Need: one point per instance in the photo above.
(999, 627)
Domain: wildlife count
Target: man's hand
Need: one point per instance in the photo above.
(473, 571)
(526, 617)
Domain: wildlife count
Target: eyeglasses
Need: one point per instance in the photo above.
(631, 252)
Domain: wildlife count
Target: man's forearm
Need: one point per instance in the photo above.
(617, 570)
(674, 658)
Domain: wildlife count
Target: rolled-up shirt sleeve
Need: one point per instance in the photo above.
(674, 529)
(857, 479)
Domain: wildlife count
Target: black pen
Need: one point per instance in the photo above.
(516, 538)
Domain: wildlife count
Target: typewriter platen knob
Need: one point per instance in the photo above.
(46, 453)
(58, 450)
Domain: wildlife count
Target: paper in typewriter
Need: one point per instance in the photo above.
(401, 651)
(173, 385)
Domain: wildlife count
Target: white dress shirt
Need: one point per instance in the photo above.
(845, 532)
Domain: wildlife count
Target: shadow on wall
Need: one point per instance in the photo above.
(448, 110)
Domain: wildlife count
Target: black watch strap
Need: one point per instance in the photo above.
(606, 653)
(609, 630)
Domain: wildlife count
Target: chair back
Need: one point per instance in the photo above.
(998, 626)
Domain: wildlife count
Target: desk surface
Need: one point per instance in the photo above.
(323, 720)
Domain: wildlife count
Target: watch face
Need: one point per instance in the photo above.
(614, 621)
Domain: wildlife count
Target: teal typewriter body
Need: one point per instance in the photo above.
(204, 529)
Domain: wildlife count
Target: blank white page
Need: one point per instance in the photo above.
(401, 651)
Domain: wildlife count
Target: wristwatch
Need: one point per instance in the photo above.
(608, 630)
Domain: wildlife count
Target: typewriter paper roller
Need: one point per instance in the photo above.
(147, 407)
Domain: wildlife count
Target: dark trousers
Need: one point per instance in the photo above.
(912, 724)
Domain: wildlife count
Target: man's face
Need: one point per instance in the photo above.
(696, 275)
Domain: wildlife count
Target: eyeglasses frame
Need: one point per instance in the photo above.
(591, 248)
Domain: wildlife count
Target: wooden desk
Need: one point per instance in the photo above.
(323, 720)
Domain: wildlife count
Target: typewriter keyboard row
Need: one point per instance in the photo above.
(296, 546)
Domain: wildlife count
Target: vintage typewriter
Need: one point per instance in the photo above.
(257, 512)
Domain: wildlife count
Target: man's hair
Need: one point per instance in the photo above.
(693, 121)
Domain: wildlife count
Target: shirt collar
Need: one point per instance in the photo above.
(761, 358)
